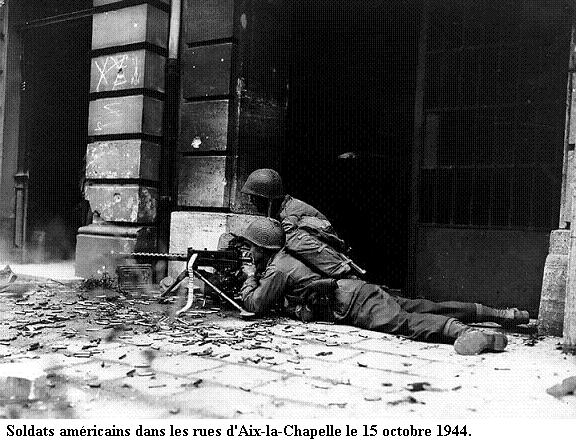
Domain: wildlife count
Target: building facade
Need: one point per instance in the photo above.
(437, 136)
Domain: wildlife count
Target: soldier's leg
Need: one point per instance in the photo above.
(463, 311)
(375, 310)
(466, 311)
(379, 311)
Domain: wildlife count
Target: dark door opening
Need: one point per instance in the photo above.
(56, 71)
(350, 127)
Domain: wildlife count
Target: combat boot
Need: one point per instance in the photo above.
(473, 342)
(506, 317)
(470, 341)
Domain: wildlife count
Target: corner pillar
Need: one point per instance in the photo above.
(553, 296)
(557, 304)
(125, 128)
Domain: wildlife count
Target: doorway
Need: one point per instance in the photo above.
(351, 109)
(54, 118)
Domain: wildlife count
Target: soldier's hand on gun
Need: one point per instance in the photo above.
(249, 270)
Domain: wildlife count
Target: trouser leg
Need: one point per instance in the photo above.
(463, 311)
(374, 309)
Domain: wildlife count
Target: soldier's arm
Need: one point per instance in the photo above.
(260, 294)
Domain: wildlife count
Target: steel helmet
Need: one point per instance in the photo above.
(265, 232)
(264, 182)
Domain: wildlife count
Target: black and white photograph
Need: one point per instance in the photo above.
(300, 219)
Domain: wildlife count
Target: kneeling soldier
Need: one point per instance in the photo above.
(280, 280)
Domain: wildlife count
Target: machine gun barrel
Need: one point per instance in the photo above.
(151, 255)
(206, 258)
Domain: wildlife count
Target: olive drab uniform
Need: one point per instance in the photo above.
(311, 276)
(354, 301)
(311, 238)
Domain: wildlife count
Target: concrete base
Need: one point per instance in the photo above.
(552, 300)
(201, 230)
(96, 243)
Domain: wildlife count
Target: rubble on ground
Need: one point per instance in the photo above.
(106, 345)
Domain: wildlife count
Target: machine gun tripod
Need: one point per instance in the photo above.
(229, 258)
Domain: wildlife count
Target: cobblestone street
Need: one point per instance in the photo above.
(71, 353)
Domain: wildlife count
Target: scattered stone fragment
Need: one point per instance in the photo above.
(324, 353)
(372, 398)
(146, 373)
(568, 386)
(82, 354)
(195, 383)
(339, 405)
(7, 338)
(157, 386)
(418, 386)
(362, 364)
(130, 373)
(341, 382)
(407, 399)
(174, 410)
(94, 384)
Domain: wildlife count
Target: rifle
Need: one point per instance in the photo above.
(229, 259)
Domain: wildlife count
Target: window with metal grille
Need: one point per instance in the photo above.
(494, 104)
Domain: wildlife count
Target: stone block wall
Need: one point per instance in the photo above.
(553, 298)
(233, 100)
(232, 112)
(554, 282)
(125, 128)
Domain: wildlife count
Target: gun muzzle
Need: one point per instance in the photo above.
(357, 269)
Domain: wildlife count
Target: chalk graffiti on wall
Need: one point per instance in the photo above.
(117, 72)
(116, 115)
(111, 112)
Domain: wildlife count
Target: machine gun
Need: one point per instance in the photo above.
(228, 261)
